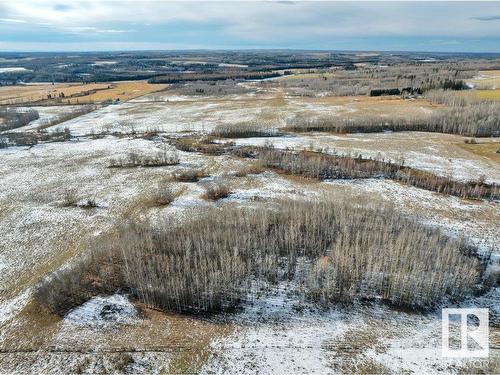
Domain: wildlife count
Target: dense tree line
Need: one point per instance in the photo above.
(12, 118)
(213, 261)
(212, 76)
(325, 166)
(481, 119)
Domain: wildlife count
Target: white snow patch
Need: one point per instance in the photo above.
(104, 312)
(8, 309)
(14, 69)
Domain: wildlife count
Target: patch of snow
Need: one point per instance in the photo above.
(9, 308)
(104, 63)
(14, 69)
(104, 312)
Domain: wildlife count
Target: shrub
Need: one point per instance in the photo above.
(162, 158)
(21, 138)
(164, 195)
(4, 143)
(189, 175)
(380, 92)
(47, 123)
(205, 145)
(215, 191)
(70, 199)
(256, 169)
(87, 203)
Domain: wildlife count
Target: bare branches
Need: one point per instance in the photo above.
(205, 264)
(325, 166)
(164, 157)
(244, 130)
(215, 191)
(476, 120)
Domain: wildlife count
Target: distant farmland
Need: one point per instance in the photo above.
(75, 93)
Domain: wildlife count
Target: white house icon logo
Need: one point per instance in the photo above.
(472, 339)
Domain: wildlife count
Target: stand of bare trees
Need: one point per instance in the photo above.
(244, 130)
(475, 120)
(354, 251)
(325, 166)
(215, 88)
(66, 117)
(401, 78)
(12, 118)
(32, 138)
(161, 158)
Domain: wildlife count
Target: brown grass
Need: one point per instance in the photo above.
(488, 94)
(76, 93)
(35, 93)
(189, 175)
(255, 168)
(488, 79)
(122, 91)
(486, 149)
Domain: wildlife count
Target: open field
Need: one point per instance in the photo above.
(35, 93)
(75, 93)
(488, 149)
(131, 179)
(122, 91)
(493, 94)
(486, 79)
(168, 112)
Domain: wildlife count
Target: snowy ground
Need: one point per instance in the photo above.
(274, 336)
(39, 235)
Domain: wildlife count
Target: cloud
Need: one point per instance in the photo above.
(446, 42)
(487, 18)
(255, 23)
(11, 20)
(85, 30)
(92, 46)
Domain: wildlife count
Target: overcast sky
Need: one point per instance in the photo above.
(139, 25)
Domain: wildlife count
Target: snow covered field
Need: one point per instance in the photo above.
(39, 235)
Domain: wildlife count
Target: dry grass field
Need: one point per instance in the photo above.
(353, 106)
(76, 93)
(493, 94)
(486, 148)
(34, 93)
(487, 79)
(122, 90)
